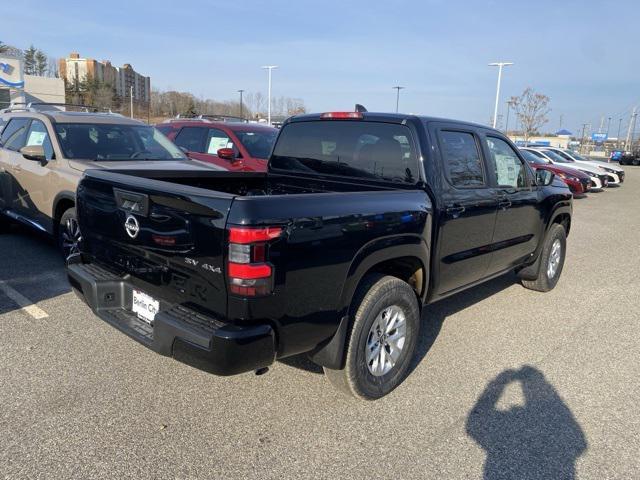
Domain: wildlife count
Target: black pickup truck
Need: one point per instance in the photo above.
(361, 220)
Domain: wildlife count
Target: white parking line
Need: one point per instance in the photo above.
(23, 302)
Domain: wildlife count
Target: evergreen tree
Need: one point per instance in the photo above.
(41, 63)
(30, 60)
(3, 47)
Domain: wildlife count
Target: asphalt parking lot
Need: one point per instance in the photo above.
(507, 383)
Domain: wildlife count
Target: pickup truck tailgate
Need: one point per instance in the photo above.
(167, 239)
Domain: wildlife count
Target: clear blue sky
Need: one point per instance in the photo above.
(583, 54)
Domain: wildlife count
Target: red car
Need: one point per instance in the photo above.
(577, 181)
(235, 146)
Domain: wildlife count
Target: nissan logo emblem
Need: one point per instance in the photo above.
(131, 226)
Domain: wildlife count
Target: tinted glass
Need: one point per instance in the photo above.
(3, 122)
(509, 169)
(15, 133)
(462, 159)
(38, 135)
(165, 130)
(533, 158)
(191, 139)
(217, 139)
(371, 150)
(88, 141)
(259, 144)
(556, 157)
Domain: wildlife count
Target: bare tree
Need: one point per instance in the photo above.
(532, 109)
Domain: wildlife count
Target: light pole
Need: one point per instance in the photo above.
(241, 112)
(506, 128)
(398, 88)
(269, 68)
(499, 65)
(131, 98)
(618, 136)
(608, 126)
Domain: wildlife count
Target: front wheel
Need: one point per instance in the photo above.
(551, 261)
(69, 234)
(382, 340)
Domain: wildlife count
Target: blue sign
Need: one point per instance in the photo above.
(599, 137)
(7, 69)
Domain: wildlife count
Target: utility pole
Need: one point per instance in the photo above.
(584, 126)
(398, 88)
(241, 113)
(270, 68)
(632, 121)
(131, 99)
(499, 65)
(560, 127)
(618, 136)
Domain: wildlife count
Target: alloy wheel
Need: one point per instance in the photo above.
(554, 259)
(386, 340)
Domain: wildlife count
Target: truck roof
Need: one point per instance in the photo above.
(389, 118)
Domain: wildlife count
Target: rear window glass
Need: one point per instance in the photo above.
(88, 141)
(369, 150)
(258, 143)
(14, 134)
(462, 159)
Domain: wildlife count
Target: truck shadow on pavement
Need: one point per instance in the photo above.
(31, 265)
(540, 439)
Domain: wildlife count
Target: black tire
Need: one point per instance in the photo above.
(376, 296)
(68, 234)
(544, 281)
(636, 161)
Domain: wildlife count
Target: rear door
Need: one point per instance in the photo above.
(468, 210)
(169, 238)
(520, 218)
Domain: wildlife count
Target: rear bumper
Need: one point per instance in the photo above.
(188, 336)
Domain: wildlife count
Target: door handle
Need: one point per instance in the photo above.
(455, 211)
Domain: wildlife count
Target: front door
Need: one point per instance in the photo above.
(468, 211)
(35, 200)
(519, 223)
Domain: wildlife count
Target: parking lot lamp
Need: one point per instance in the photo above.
(495, 110)
(241, 113)
(398, 88)
(269, 68)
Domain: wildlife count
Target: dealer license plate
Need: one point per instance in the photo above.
(145, 306)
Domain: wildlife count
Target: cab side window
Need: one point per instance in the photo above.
(509, 169)
(14, 134)
(463, 163)
(217, 139)
(191, 139)
(38, 135)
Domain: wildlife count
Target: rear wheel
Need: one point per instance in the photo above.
(382, 340)
(69, 234)
(551, 261)
(636, 161)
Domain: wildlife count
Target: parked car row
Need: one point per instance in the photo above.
(579, 173)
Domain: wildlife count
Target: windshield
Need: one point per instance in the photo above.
(533, 158)
(577, 156)
(556, 157)
(96, 141)
(372, 150)
(258, 143)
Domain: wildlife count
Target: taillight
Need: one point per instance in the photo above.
(249, 273)
(341, 115)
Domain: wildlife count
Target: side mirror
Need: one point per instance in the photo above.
(34, 152)
(544, 177)
(226, 154)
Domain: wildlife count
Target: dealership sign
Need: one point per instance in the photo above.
(599, 137)
(11, 73)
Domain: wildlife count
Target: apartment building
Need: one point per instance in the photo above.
(124, 79)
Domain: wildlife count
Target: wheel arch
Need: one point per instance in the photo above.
(62, 202)
(407, 260)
